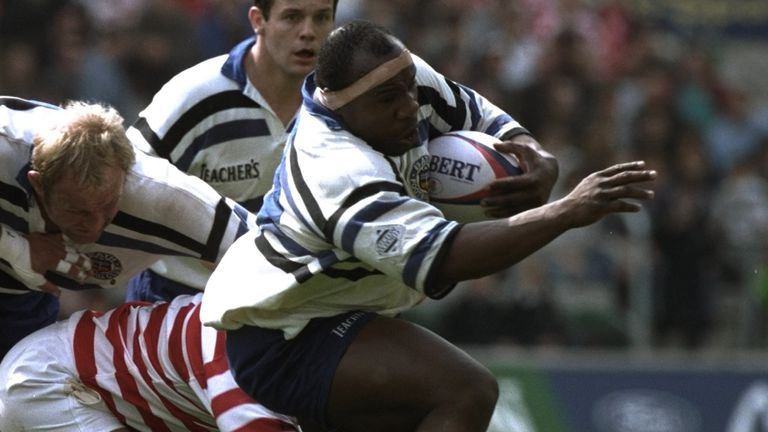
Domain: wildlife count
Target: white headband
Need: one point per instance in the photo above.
(338, 98)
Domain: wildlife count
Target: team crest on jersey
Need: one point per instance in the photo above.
(389, 240)
(104, 266)
(418, 178)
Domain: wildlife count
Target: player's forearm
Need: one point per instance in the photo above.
(12, 245)
(483, 248)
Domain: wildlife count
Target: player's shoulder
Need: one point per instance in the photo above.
(196, 83)
(155, 177)
(22, 119)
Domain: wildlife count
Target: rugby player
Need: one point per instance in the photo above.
(80, 209)
(347, 241)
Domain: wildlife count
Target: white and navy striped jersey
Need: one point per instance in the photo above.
(162, 210)
(212, 123)
(157, 368)
(346, 227)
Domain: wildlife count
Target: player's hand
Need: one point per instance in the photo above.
(16, 250)
(607, 191)
(50, 252)
(532, 188)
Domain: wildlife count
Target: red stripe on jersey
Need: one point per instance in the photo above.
(194, 347)
(175, 344)
(85, 359)
(219, 364)
(190, 422)
(266, 425)
(151, 339)
(224, 402)
(129, 390)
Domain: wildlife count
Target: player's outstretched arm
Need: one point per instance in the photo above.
(483, 248)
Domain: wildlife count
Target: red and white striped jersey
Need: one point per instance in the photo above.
(158, 369)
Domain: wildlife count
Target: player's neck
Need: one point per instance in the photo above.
(50, 226)
(281, 90)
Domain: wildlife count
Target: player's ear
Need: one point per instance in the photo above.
(256, 17)
(36, 180)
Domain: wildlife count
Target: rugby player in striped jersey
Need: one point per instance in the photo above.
(80, 209)
(141, 366)
(225, 120)
(347, 240)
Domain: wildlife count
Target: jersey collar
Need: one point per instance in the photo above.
(234, 67)
(332, 120)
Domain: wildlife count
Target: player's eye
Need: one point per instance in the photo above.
(293, 17)
(324, 18)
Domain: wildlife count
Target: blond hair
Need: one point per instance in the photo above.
(89, 138)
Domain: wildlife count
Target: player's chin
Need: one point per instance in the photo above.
(409, 140)
(83, 237)
(401, 147)
(303, 65)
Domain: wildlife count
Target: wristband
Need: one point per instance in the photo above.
(15, 248)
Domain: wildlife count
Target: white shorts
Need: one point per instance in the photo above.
(39, 388)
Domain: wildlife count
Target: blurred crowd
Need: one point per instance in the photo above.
(595, 82)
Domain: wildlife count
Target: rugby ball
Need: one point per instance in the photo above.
(462, 164)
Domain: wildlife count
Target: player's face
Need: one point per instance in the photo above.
(293, 33)
(385, 116)
(82, 215)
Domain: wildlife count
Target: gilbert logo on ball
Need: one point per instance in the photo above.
(462, 164)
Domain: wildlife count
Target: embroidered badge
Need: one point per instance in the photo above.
(389, 240)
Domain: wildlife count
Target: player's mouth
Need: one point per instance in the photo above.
(410, 137)
(83, 236)
(306, 55)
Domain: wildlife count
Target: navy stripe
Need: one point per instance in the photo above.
(242, 214)
(430, 289)
(515, 132)
(302, 273)
(352, 274)
(192, 117)
(288, 243)
(454, 116)
(253, 205)
(155, 229)
(223, 132)
(304, 193)
(356, 196)
(149, 135)
(116, 240)
(369, 213)
(234, 67)
(220, 223)
(270, 208)
(273, 257)
(411, 269)
(474, 108)
(14, 195)
(497, 124)
(282, 188)
(18, 104)
(9, 282)
(19, 224)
